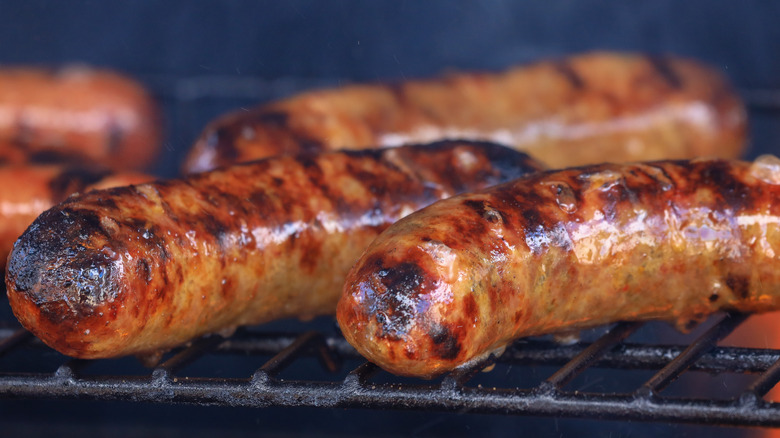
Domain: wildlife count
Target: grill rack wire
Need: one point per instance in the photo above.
(167, 383)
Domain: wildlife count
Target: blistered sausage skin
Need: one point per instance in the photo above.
(565, 250)
(26, 191)
(76, 114)
(578, 110)
(148, 267)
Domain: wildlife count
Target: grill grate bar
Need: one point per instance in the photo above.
(296, 349)
(190, 354)
(589, 355)
(526, 352)
(244, 393)
(691, 354)
(263, 389)
(766, 381)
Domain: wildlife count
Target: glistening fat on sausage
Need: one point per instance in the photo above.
(144, 268)
(576, 110)
(564, 250)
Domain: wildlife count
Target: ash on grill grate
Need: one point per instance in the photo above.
(177, 380)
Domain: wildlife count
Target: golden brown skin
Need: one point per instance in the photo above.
(77, 113)
(579, 110)
(564, 250)
(26, 191)
(145, 268)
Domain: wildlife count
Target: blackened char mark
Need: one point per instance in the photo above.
(219, 232)
(279, 121)
(471, 308)
(487, 212)
(445, 343)
(59, 238)
(718, 176)
(316, 176)
(398, 91)
(739, 285)
(392, 295)
(570, 74)
(665, 70)
(144, 271)
(506, 163)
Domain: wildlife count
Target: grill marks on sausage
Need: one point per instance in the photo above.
(278, 126)
(733, 193)
(570, 74)
(664, 69)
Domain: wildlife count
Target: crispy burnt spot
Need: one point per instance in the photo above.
(56, 266)
(739, 285)
(398, 296)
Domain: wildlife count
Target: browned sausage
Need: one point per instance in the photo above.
(580, 110)
(565, 250)
(77, 113)
(144, 268)
(28, 190)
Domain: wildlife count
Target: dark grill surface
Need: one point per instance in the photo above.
(365, 386)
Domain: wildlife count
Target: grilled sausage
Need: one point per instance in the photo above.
(28, 190)
(148, 267)
(573, 111)
(76, 113)
(564, 250)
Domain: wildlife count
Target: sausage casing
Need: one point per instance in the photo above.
(144, 268)
(564, 250)
(77, 113)
(579, 110)
(26, 191)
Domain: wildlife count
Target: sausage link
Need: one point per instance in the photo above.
(26, 191)
(144, 268)
(76, 113)
(580, 110)
(565, 250)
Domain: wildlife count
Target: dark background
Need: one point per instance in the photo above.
(202, 58)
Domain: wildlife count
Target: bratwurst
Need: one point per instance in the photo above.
(76, 114)
(579, 110)
(145, 268)
(565, 250)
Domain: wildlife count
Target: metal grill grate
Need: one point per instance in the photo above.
(367, 387)
(169, 383)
